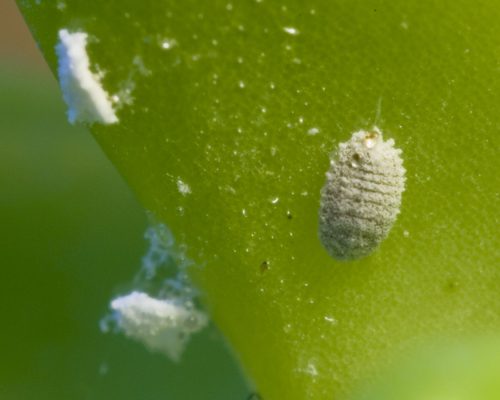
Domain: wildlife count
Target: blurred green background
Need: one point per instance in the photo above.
(71, 238)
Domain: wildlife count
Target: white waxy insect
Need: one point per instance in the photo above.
(362, 195)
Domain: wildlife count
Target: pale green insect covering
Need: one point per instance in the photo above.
(361, 197)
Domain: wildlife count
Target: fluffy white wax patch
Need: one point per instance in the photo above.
(161, 325)
(82, 91)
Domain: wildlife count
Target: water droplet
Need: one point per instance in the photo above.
(330, 319)
(287, 328)
(369, 143)
(167, 44)
(241, 85)
(370, 140)
(275, 200)
(313, 131)
(406, 234)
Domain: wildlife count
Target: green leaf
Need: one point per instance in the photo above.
(225, 96)
(462, 371)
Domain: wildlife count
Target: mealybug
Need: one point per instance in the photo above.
(362, 195)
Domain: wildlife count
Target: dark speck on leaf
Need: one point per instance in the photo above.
(452, 286)
(264, 266)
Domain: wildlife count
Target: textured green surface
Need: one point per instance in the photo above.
(465, 371)
(227, 110)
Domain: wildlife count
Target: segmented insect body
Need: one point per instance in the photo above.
(362, 195)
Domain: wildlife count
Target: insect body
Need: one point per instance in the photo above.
(361, 197)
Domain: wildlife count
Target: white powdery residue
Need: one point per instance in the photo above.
(161, 242)
(309, 368)
(162, 325)
(160, 310)
(291, 30)
(183, 187)
(82, 90)
(330, 319)
(313, 131)
(141, 67)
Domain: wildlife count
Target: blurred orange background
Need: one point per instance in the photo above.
(17, 47)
